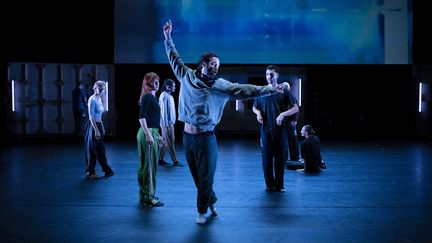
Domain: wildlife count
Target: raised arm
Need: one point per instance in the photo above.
(167, 29)
(179, 68)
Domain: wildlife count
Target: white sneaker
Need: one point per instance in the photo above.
(201, 219)
(213, 210)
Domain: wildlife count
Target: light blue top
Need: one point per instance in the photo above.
(95, 108)
(201, 104)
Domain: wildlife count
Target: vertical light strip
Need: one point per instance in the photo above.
(13, 95)
(237, 105)
(300, 92)
(420, 97)
(107, 98)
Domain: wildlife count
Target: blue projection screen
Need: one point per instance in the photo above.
(266, 31)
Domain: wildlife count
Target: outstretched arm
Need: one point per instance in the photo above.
(245, 91)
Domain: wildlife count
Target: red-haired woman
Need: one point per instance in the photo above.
(148, 139)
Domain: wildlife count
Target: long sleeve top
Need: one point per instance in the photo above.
(167, 106)
(201, 103)
(150, 110)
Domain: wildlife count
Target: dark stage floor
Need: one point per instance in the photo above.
(370, 192)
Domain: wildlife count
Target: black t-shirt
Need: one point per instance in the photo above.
(311, 153)
(150, 110)
(78, 99)
(271, 106)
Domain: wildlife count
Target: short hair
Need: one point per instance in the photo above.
(273, 67)
(99, 84)
(166, 83)
(205, 57)
(309, 129)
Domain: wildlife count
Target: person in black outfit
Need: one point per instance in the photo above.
(311, 151)
(272, 112)
(293, 147)
(79, 102)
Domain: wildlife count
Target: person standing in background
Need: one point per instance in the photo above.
(272, 113)
(167, 121)
(148, 140)
(95, 133)
(293, 146)
(79, 102)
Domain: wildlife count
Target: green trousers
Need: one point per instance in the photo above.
(147, 164)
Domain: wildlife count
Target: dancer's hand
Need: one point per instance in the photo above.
(167, 28)
(279, 119)
(97, 134)
(161, 141)
(259, 118)
(280, 88)
(149, 139)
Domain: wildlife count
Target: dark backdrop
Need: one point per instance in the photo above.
(341, 101)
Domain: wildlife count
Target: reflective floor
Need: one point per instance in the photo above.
(370, 192)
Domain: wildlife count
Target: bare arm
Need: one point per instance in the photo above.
(91, 107)
(148, 135)
(288, 112)
(258, 114)
(95, 128)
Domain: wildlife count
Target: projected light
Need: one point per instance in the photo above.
(237, 105)
(13, 95)
(300, 92)
(420, 98)
(107, 100)
(306, 32)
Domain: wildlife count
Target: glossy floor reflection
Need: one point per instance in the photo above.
(370, 192)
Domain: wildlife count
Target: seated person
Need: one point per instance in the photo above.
(310, 150)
